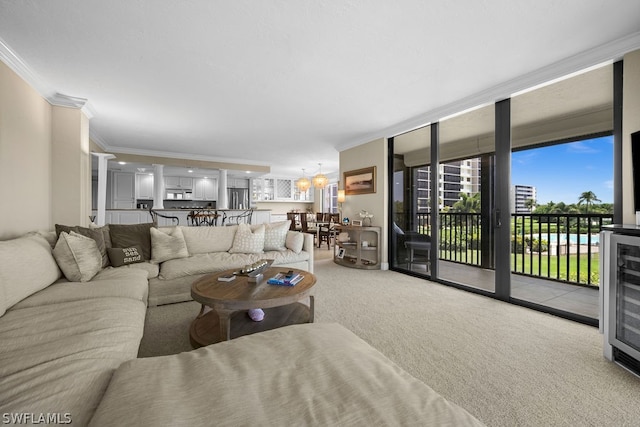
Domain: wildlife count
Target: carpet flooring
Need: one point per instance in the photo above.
(507, 365)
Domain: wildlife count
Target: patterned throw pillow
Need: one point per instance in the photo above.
(167, 244)
(275, 235)
(77, 256)
(125, 256)
(248, 242)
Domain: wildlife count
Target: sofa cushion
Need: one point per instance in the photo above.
(152, 270)
(312, 374)
(110, 282)
(202, 240)
(94, 234)
(27, 267)
(294, 241)
(275, 235)
(125, 256)
(127, 235)
(60, 358)
(205, 263)
(248, 241)
(77, 256)
(167, 244)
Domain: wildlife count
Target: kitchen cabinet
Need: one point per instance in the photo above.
(178, 182)
(278, 189)
(144, 186)
(205, 189)
(123, 190)
(237, 183)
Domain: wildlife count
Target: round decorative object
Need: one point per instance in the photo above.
(366, 221)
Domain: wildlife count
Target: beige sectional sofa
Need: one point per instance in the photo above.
(68, 353)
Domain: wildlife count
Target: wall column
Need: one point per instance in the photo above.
(223, 202)
(103, 159)
(71, 167)
(158, 186)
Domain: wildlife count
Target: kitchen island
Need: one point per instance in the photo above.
(140, 216)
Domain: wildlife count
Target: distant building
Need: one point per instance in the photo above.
(454, 178)
(519, 196)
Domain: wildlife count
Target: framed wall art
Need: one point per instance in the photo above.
(360, 181)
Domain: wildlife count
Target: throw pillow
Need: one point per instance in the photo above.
(77, 256)
(127, 235)
(248, 242)
(295, 241)
(124, 256)
(105, 233)
(96, 235)
(167, 244)
(275, 235)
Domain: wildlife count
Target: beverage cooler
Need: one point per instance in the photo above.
(620, 296)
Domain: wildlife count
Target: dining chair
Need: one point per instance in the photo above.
(241, 218)
(154, 217)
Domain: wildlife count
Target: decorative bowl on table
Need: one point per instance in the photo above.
(255, 271)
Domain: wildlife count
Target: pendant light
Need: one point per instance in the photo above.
(320, 180)
(303, 183)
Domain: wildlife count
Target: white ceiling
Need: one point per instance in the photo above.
(289, 83)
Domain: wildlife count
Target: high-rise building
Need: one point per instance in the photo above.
(462, 176)
(519, 196)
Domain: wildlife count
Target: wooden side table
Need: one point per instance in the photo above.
(224, 305)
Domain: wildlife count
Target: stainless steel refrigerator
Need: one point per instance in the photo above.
(238, 198)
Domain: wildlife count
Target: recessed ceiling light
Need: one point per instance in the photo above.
(122, 163)
(190, 171)
(248, 171)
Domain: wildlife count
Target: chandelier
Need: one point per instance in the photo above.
(320, 180)
(303, 183)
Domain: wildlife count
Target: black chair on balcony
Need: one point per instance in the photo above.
(154, 217)
(418, 246)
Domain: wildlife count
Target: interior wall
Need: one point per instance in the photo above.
(373, 153)
(71, 170)
(25, 157)
(630, 124)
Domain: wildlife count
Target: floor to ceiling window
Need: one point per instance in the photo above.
(562, 183)
(466, 147)
(514, 199)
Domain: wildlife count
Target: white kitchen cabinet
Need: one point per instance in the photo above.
(237, 183)
(205, 189)
(178, 182)
(278, 189)
(144, 186)
(123, 190)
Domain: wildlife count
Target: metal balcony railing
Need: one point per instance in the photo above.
(561, 247)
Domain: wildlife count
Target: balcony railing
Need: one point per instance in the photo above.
(561, 247)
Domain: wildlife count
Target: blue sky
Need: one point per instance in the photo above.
(562, 172)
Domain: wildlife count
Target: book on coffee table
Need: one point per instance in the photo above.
(283, 280)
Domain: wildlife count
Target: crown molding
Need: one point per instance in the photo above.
(597, 56)
(20, 67)
(13, 61)
(182, 156)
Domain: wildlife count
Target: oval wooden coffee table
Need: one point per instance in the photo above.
(224, 305)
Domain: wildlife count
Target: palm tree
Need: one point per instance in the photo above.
(467, 203)
(530, 204)
(588, 197)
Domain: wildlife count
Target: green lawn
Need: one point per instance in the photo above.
(543, 267)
